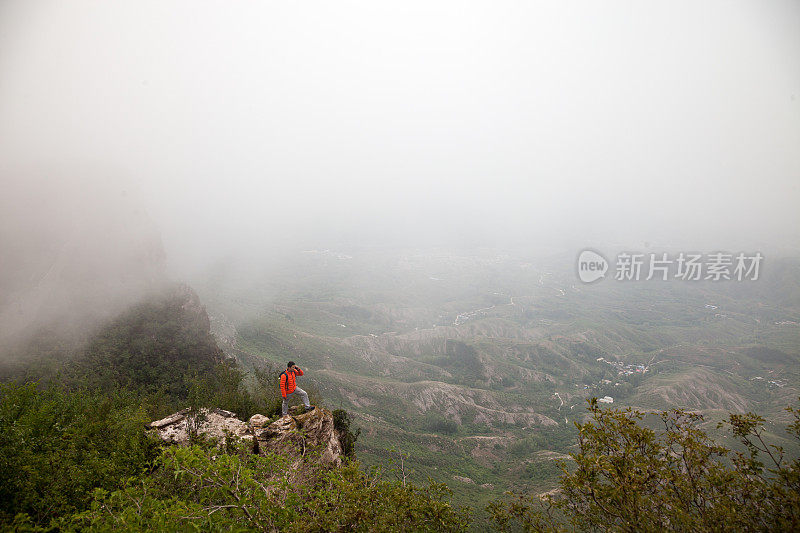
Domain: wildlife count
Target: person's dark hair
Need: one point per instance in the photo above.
(290, 365)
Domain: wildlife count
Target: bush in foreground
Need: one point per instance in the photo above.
(197, 488)
(628, 477)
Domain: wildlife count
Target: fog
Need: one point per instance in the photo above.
(248, 130)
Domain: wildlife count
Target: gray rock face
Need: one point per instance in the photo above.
(214, 424)
(307, 436)
(310, 434)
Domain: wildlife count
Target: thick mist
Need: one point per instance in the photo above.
(249, 131)
(75, 251)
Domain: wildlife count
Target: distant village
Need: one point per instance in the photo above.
(623, 369)
(471, 315)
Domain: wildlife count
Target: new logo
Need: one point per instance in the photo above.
(591, 266)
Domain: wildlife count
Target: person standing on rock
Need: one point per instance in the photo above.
(289, 387)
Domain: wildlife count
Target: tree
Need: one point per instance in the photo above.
(629, 477)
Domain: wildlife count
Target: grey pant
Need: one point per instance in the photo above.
(300, 392)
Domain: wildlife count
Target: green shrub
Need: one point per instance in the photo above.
(438, 423)
(341, 422)
(629, 477)
(196, 488)
(56, 446)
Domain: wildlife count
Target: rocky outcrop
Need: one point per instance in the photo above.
(214, 424)
(312, 435)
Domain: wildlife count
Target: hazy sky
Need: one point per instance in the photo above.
(252, 125)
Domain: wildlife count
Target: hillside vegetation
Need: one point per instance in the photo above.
(74, 455)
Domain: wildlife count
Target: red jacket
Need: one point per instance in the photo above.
(288, 378)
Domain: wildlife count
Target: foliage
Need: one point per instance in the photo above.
(438, 423)
(225, 387)
(56, 446)
(156, 345)
(80, 460)
(341, 422)
(353, 500)
(546, 438)
(628, 476)
(195, 487)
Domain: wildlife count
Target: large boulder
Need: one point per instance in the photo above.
(213, 424)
